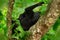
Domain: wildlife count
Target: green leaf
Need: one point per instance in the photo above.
(43, 9)
(57, 23)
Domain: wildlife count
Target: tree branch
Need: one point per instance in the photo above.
(9, 12)
(45, 22)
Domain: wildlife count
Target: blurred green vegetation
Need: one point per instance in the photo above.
(19, 6)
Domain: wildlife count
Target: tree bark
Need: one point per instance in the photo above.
(9, 12)
(45, 22)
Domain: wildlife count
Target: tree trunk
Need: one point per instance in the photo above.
(45, 21)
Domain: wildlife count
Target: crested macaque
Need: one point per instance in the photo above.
(28, 18)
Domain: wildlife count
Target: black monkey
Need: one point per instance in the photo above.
(28, 18)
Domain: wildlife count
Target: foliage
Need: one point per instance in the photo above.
(19, 6)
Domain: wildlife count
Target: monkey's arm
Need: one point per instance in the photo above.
(32, 7)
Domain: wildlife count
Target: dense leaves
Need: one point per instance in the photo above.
(19, 6)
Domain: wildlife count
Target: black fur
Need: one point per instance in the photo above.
(28, 18)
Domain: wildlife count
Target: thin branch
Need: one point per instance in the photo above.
(9, 12)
